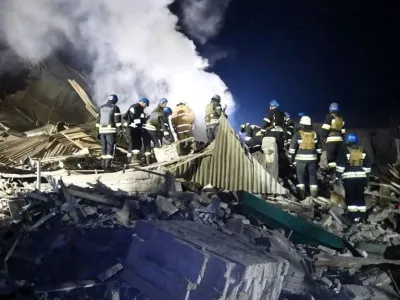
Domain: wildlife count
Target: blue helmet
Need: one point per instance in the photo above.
(301, 114)
(167, 111)
(287, 115)
(113, 98)
(274, 103)
(145, 101)
(334, 107)
(351, 138)
(163, 100)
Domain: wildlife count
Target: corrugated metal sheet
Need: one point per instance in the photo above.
(230, 167)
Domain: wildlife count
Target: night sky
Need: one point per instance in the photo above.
(307, 54)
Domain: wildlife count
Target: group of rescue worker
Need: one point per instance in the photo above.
(301, 146)
(143, 130)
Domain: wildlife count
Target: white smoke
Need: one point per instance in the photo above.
(134, 46)
(203, 19)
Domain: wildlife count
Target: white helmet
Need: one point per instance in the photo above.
(305, 120)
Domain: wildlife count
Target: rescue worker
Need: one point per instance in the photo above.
(332, 134)
(156, 127)
(213, 112)
(288, 130)
(182, 121)
(273, 125)
(353, 167)
(108, 123)
(299, 116)
(135, 119)
(253, 137)
(305, 150)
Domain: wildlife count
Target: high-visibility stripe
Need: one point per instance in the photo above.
(107, 156)
(326, 126)
(292, 151)
(352, 208)
(319, 150)
(117, 114)
(98, 125)
(332, 165)
(313, 187)
(367, 170)
(334, 139)
(300, 186)
(354, 175)
(267, 120)
(362, 208)
(340, 169)
(306, 157)
(343, 131)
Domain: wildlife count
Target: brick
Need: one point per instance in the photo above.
(185, 260)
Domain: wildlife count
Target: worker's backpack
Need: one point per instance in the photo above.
(356, 157)
(337, 122)
(307, 140)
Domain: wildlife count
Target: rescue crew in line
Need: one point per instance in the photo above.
(253, 137)
(182, 121)
(135, 119)
(273, 125)
(332, 134)
(156, 127)
(288, 130)
(213, 112)
(353, 167)
(305, 150)
(108, 123)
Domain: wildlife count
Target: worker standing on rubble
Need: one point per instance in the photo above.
(288, 130)
(108, 124)
(214, 111)
(135, 119)
(253, 137)
(156, 127)
(182, 121)
(305, 151)
(353, 167)
(273, 125)
(332, 134)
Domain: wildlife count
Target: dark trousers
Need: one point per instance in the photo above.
(254, 143)
(355, 200)
(135, 139)
(107, 148)
(211, 131)
(151, 136)
(304, 167)
(332, 152)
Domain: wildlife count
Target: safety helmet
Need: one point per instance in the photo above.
(351, 138)
(163, 100)
(334, 107)
(167, 111)
(301, 114)
(182, 103)
(274, 103)
(305, 121)
(145, 101)
(216, 98)
(287, 115)
(113, 98)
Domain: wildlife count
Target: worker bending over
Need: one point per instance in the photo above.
(253, 138)
(182, 120)
(353, 167)
(273, 125)
(288, 129)
(305, 150)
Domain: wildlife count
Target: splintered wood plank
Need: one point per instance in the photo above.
(73, 141)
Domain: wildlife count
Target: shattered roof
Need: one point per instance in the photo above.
(230, 167)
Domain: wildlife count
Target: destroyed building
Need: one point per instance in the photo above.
(216, 224)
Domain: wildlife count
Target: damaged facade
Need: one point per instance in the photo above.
(210, 225)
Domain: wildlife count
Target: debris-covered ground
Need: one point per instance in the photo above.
(68, 242)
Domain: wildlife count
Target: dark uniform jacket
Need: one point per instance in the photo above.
(251, 130)
(135, 116)
(289, 129)
(213, 113)
(353, 162)
(333, 128)
(158, 120)
(274, 121)
(108, 118)
(306, 145)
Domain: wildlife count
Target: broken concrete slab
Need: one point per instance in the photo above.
(192, 261)
(167, 152)
(270, 150)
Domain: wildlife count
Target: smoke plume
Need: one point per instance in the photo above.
(133, 45)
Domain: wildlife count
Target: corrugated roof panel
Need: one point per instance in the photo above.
(230, 167)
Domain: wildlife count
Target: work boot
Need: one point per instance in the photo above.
(135, 159)
(147, 158)
(301, 193)
(107, 165)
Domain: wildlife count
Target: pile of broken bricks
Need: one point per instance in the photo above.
(65, 242)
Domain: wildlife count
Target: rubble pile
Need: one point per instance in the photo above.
(67, 242)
